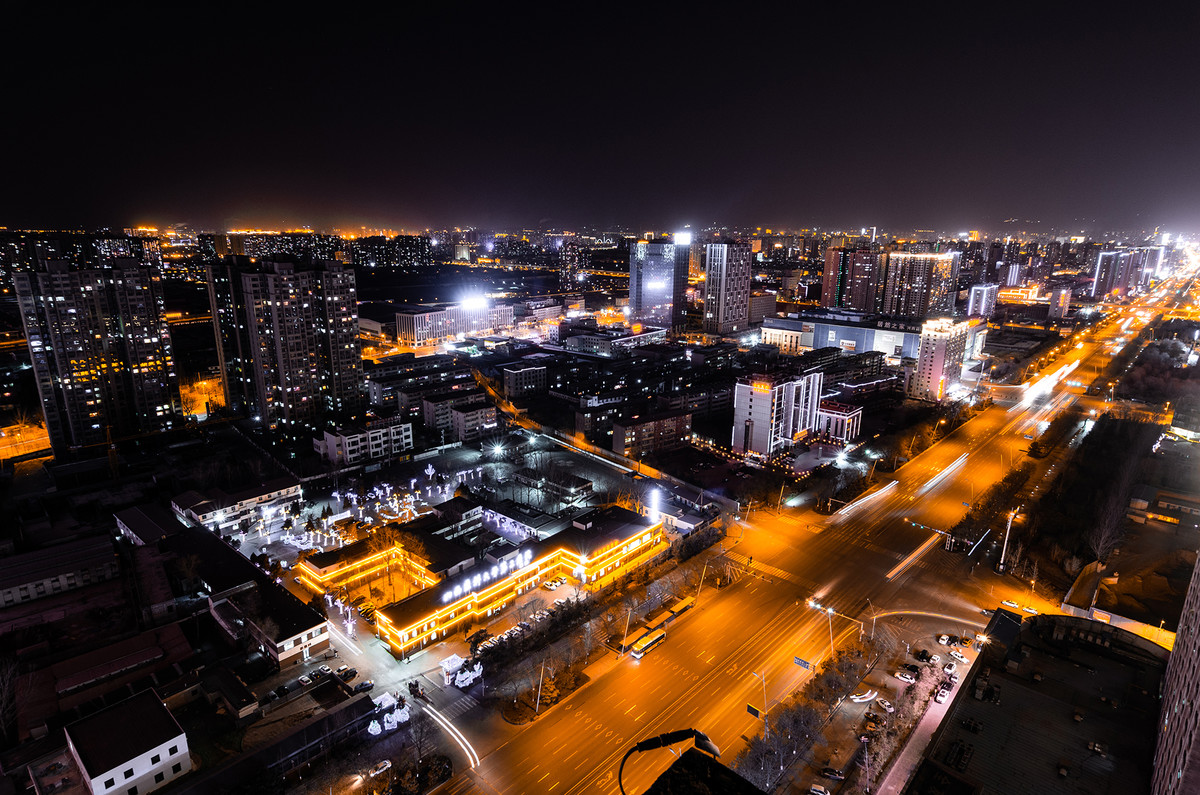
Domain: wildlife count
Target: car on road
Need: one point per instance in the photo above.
(1009, 603)
(296, 580)
(905, 676)
(364, 686)
(885, 705)
(559, 602)
(325, 670)
(817, 789)
(950, 667)
(304, 680)
(381, 768)
(954, 679)
(833, 773)
(1030, 610)
(281, 691)
(358, 600)
(958, 655)
(875, 722)
(944, 640)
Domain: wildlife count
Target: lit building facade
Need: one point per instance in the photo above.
(982, 300)
(599, 545)
(772, 412)
(658, 281)
(1060, 303)
(940, 361)
(287, 338)
(920, 284)
(377, 439)
(851, 279)
(100, 349)
(839, 422)
(727, 274)
(653, 433)
(1177, 755)
(420, 326)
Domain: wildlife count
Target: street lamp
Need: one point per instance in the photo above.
(663, 740)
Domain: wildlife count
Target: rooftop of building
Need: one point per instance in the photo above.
(43, 564)
(114, 736)
(1054, 704)
(150, 523)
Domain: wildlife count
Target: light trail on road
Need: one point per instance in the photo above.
(847, 508)
(454, 733)
(937, 479)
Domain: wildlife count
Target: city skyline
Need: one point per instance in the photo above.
(1064, 123)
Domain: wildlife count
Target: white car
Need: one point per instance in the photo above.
(958, 655)
(905, 676)
(944, 640)
(885, 705)
(941, 695)
(817, 789)
(1009, 603)
(949, 668)
(864, 698)
(383, 766)
(1031, 611)
(934, 659)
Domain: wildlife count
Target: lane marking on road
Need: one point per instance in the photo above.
(710, 659)
(639, 717)
(630, 709)
(544, 775)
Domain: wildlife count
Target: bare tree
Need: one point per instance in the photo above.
(1109, 530)
(423, 733)
(9, 676)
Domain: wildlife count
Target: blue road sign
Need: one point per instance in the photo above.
(801, 663)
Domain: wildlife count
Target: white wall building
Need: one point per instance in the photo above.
(345, 446)
(131, 748)
(982, 300)
(771, 412)
(427, 325)
(940, 360)
(838, 421)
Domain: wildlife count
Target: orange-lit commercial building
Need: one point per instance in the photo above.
(598, 545)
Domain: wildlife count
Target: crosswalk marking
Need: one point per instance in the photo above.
(459, 707)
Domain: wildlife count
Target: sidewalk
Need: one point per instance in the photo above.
(914, 749)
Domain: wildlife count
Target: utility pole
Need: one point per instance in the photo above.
(1004, 550)
(541, 679)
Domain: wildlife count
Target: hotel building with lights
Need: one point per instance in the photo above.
(596, 546)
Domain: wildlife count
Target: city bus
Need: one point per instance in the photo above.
(648, 642)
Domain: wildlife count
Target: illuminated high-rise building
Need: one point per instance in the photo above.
(101, 350)
(287, 338)
(921, 284)
(727, 274)
(658, 280)
(940, 360)
(851, 279)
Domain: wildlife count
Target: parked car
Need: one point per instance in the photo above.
(364, 686)
(950, 667)
(381, 768)
(954, 679)
(817, 789)
(348, 674)
(944, 640)
(941, 695)
(304, 680)
(325, 670)
(958, 655)
(905, 676)
(934, 659)
(1030, 610)
(281, 691)
(922, 655)
(833, 773)
(885, 705)
(1009, 603)
(341, 669)
(916, 669)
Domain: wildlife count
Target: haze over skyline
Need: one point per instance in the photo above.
(631, 121)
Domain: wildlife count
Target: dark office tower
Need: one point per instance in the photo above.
(658, 281)
(101, 351)
(920, 285)
(851, 279)
(287, 337)
(1117, 271)
(727, 273)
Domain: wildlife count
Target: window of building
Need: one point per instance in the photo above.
(129, 773)
(159, 776)
(174, 749)
(132, 791)
(175, 768)
(154, 760)
(109, 783)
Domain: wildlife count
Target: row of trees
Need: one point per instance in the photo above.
(794, 725)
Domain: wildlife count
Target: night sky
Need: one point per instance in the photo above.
(597, 116)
